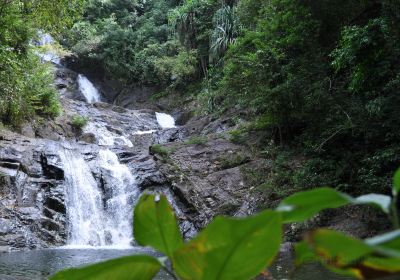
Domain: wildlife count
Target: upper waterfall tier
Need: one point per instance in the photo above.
(88, 89)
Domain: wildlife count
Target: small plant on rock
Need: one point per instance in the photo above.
(79, 122)
(159, 150)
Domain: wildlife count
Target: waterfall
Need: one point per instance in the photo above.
(44, 39)
(88, 90)
(165, 120)
(124, 192)
(98, 215)
(84, 202)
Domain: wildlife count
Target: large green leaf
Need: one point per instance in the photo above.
(338, 247)
(396, 183)
(304, 205)
(230, 249)
(155, 224)
(346, 255)
(304, 253)
(390, 265)
(126, 268)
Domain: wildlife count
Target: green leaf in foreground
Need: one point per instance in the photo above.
(396, 183)
(230, 249)
(155, 224)
(126, 268)
(346, 255)
(304, 205)
(337, 246)
(335, 250)
(304, 254)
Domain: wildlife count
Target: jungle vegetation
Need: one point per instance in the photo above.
(319, 78)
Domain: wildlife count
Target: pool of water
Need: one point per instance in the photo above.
(40, 264)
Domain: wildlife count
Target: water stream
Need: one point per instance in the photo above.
(99, 212)
(91, 94)
(84, 202)
(165, 120)
(106, 137)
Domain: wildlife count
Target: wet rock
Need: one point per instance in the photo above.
(28, 131)
(183, 117)
(30, 190)
(51, 171)
(88, 138)
(135, 97)
(6, 226)
(5, 249)
(55, 204)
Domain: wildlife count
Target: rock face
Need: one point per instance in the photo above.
(32, 207)
(207, 175)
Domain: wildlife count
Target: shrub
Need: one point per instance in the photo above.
(26, 89)
(159, 150)
(79, 122)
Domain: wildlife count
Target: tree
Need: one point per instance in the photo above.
(25, 89)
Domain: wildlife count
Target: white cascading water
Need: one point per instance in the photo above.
(45, 39)
(106, 137)
(99, 215)
(96, 218)
(165, 121)
(124, 192)
(88, 89)
(84, 202)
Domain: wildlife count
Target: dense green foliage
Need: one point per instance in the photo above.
(131, 41)
(318, 77)
(230, 248)
(332, 95)
(25, 83)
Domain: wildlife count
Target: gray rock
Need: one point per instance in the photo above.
(207, 179)
(4, 249)
(88, 138)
